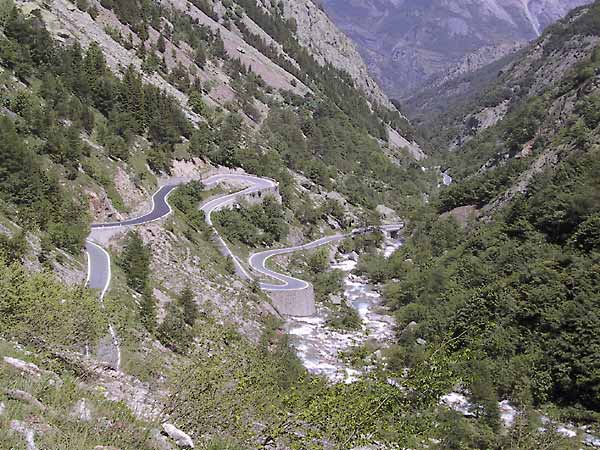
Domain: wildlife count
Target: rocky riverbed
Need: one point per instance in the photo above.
(319, 346)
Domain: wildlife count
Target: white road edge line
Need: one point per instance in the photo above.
(111, 329)
(109, 225)
(89, 267)
(283, 251)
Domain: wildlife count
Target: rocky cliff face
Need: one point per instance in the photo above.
(408, 43)
(328, 44)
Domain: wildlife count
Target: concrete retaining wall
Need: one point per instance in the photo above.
(294, 303)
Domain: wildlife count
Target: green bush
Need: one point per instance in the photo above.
(517, 293)
(174, 332)
(135, 262)
(344, 317)
(254, 225)
(39, 310)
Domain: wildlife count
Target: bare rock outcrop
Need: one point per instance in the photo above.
(328, 44)
(31, 369)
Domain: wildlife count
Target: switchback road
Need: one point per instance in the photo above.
(99, 270)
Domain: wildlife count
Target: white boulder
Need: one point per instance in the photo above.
(181, 439)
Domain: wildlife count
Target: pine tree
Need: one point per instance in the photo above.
(229, 140)
(94, 64)
(218, 47)
(173, 332)
(135, 261)
(196, 102)
(200, 57)
(190, 310)
(201, 141)
(132, 96)
(161, 45)
(230, 265)
(148, 310)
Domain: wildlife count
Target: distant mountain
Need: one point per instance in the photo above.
(408, 43)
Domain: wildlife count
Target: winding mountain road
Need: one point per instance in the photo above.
(99, 272)
(258, 261)
(99, 264)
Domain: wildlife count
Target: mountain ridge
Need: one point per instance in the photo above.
(408, 44)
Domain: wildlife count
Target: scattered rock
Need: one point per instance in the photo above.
(397, 142)
(421, 341)
(25, 367)
(411, 326)
(160, 441)
(26, 397)
(463, 214)
(385, 212)
(31, 369)
(104, 447)
(29, 429)
(28, 433)
(508, 413)
(353, 256)
(8, 113)
(591, 441)
(336, 299)
(2, 408)
(181, 439)
(82, 411)
(458, 402)
(388, 319)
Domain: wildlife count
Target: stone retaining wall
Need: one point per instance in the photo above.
(300, 302)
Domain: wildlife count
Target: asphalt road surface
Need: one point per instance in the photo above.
(98, 268)
(99, 264)
(258, 262)
(160, 208)
(99, 274)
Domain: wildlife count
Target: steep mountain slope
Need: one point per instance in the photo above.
(458, 111)
(537, 115)
(102, 103)
(410, 43)
(328, 44)
(503, 265)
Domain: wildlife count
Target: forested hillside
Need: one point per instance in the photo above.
(104, 101)
(503, 266)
